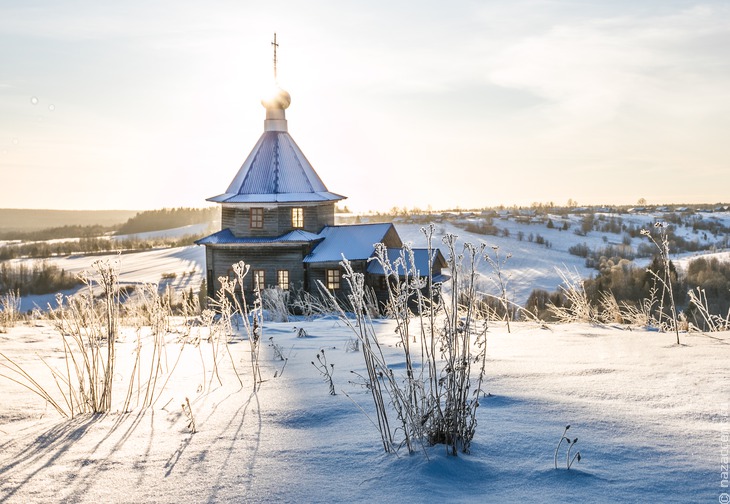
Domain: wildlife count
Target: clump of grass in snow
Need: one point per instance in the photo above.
(325, 369)
(610, 309)
(301, 333)
(276, 303)
(308, 305)
(577, 308)
(9, 310)
(571, 443)
(188, 412)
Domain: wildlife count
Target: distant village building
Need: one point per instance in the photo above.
(279, 218)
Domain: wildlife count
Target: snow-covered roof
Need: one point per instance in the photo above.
(276, 170)
(420, 257)
(226, 237)
(355, 242)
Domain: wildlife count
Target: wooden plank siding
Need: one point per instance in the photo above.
(317, 272)
(277, 221)
(392, 239)
(270, 259)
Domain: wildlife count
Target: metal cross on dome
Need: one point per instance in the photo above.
(275, 46)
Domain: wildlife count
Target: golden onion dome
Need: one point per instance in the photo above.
(278, 99)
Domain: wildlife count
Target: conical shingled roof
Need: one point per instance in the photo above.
(276, 170)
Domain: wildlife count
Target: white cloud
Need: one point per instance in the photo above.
(595, 71)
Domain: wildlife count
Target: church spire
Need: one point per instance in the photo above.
(277, 102)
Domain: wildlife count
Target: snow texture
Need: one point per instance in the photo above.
(649, 416)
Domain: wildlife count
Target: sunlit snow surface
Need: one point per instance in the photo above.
(648, 414)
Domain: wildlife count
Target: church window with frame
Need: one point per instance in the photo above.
(333, 279)
(259, 279)
(297, 217)
(282, 279)
(257, 218)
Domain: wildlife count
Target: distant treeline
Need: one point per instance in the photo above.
(56, 233)
(26, 220)
(152, 220)
(38, 278)
(168, 218)
(89, 246)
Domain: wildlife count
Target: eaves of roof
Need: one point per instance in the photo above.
(226, 237)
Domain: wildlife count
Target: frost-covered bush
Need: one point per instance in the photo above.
(88, 323)
(9, 310)
(435, 399)
(275, 302)
(576, 307)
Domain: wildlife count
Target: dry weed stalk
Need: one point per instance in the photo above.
(188, 412)
(664, 280)
(578, 308)
(710, 321)
(231, 304)
(497, 265)
(325, 369)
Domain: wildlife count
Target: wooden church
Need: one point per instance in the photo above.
(279, 218)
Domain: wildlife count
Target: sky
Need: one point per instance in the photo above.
(143, 105)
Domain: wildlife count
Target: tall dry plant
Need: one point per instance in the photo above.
(664, 280)
(88, 323)
(707, 320)
(436, 400)
(89, 328)
(232, 307)
(501, 281)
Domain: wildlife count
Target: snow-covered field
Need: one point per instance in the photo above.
(650, 417)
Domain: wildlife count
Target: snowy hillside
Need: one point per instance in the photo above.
(533, 265)
(179, 232)
(648, 414)
(182, 266)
